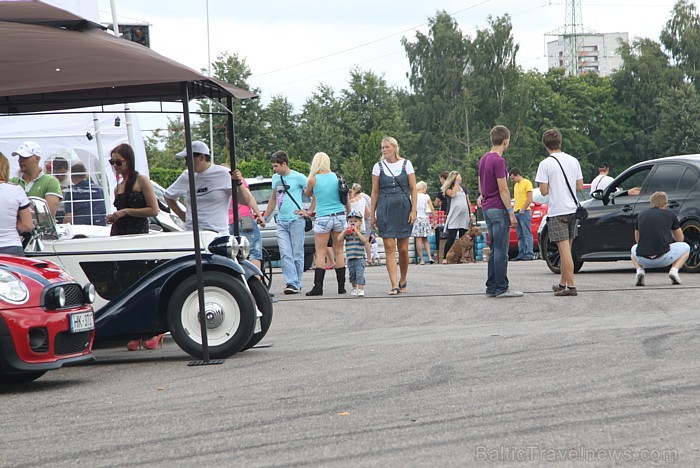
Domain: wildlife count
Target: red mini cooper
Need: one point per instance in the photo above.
(46, 320)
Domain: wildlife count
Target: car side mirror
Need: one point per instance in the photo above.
(597, 194)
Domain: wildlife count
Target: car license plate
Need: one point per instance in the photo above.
(258, 325)
(82, 321)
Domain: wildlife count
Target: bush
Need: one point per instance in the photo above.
(164, 177)
(262, 167)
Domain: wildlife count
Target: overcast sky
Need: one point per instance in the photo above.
(292, 46)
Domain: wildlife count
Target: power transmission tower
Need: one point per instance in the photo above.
(572, 33)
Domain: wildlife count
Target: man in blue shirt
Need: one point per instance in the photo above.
(85, 201)
(287, 188)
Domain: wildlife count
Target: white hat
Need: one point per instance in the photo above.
(197, 147)
(27, 149)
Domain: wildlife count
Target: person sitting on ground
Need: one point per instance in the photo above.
(656, 228)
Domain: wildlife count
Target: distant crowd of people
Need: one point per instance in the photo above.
(346, 225)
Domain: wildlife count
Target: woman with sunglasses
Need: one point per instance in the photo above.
(134, 198)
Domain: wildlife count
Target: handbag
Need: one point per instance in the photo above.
(247, 223)
(343, 190)
(581, 211)
(309, 224)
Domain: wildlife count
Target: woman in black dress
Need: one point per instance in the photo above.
(134, 198)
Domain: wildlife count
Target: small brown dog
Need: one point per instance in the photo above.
(464, 246)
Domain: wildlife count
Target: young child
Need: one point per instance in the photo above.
(355, 242)
(374, 249)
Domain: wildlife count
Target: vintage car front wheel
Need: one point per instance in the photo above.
(264, 303)
(20, 378)
(229, 311)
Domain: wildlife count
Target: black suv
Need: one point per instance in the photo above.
(608, 232)
(261, 188)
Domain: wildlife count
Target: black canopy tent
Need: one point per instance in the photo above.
(55, 60)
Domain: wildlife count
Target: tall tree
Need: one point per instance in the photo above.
(321, 127)
(281, 124)
(679, 126)
(681, 37)
(437, 107)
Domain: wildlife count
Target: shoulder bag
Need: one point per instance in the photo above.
(343, 190)
(395, 180)
(581, 211)
(308, 223)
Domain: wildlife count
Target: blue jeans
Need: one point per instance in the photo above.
(498, 227)
(290, 239)
(524, 231)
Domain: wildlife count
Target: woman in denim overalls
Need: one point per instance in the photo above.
(394, 199)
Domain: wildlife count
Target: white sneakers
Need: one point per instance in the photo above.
(358, 292)
(673, 274)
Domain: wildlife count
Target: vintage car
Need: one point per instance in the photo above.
(46, 320)
(146, 284)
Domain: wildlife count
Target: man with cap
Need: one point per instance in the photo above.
(213, 188)
(602, 180)
(33, 180)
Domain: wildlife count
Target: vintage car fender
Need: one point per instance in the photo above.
(250, 269)
(141, 308)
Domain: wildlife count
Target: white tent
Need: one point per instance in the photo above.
(75, 137)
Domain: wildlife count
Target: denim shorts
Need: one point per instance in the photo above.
(334, 222)
(255, 240)
(676, 251)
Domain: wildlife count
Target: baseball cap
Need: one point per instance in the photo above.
(355, 214)
(197, 147)
(27, 149)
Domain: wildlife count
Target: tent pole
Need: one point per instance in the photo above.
(195, 229)
(101, 164)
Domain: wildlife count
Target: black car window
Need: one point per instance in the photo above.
(261, 192)
(631, 180)
(688, 180)
(666, 178)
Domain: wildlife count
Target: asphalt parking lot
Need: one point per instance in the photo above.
(441, 376)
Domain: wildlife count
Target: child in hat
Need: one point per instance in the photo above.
(355, 242)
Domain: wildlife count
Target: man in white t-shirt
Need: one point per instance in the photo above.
(213, 187)
(602, 180)
(561, 216)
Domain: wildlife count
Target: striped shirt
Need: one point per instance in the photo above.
(354, 247)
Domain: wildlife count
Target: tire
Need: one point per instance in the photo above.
(24, 377)
(232, 324)
(308, 260)
(264, 304)
(550, 254)
(691, 234)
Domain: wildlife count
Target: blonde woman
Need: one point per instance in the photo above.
(15, 213)
(330, 221)
(457, 222)
(393, 212)
(360, 203)
(422, 227)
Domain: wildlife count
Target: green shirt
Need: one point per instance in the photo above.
(41, 186)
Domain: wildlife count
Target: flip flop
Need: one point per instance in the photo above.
(394, 292)
(403, 286)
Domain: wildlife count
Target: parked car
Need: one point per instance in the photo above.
(146, 284)
(539, 208)
(261, 188)
(46, 320)
(608, 232)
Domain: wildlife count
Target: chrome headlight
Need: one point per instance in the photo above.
(226, 246)
(244, 247)
(12, 289)
(89, 293)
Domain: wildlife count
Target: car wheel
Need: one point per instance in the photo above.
(691, 234)
(21, 378)
(266, 268)
(229, 310)
(308, 260)
(550, 254)
(264, 304)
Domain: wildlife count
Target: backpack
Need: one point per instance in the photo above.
(343, 190)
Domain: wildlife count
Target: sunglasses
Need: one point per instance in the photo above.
(116, 162)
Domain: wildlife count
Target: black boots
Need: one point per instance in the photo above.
(340, 275)
(317, 290)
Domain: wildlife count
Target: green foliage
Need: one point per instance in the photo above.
(681, 37)
(679, 127)
(164, 176)
(262, 167)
